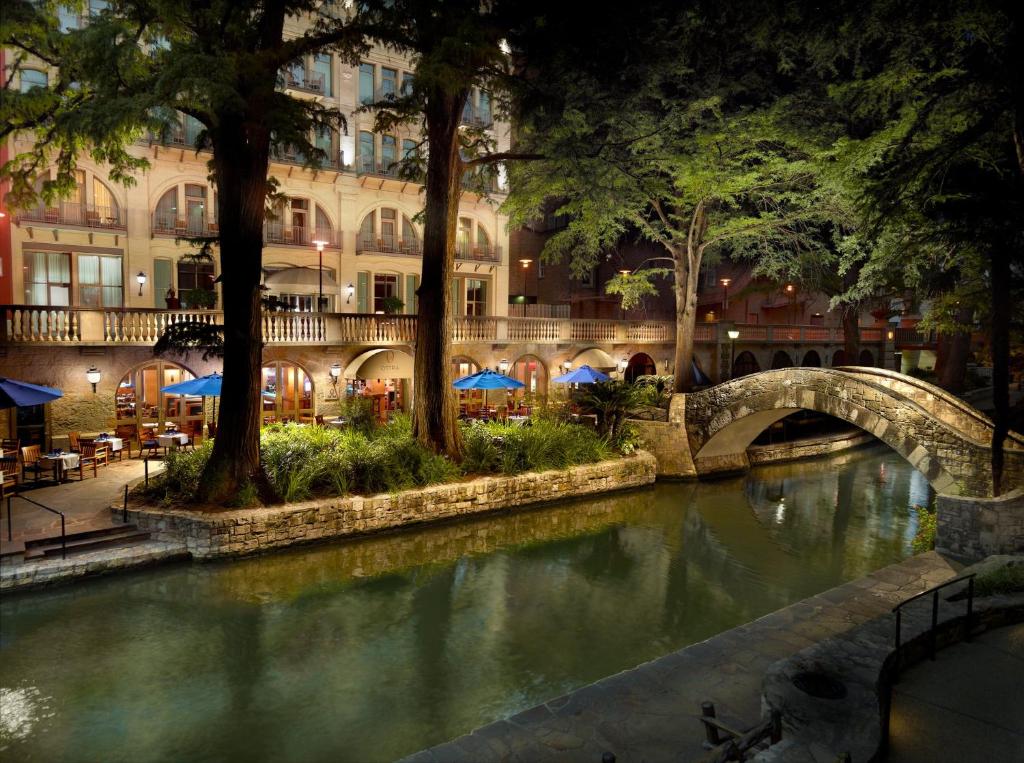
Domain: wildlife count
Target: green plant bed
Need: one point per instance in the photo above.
(927, 526)
(302, 462)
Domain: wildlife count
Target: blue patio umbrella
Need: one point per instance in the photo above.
(204, 386)
(19, 394)
(582, 375)
(485, 380)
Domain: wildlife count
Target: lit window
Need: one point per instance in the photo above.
(31, 79)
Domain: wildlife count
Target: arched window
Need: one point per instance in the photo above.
(866, 358)
(166, 214)
(388, 230)
(640, 364)
(812, 359)
(745, 364)
(781, 359)
(287, 392)
(141, 404)
(470, 400)
(103, 200)
(472, 240)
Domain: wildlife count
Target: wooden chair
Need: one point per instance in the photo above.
(9, 468)
(98, 452)
(147, 442)
(74, 438)
(92, 455)
(126, 432)
(319, 419)
(32, 461)
(9, 445)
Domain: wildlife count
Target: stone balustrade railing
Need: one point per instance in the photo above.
(84, 326)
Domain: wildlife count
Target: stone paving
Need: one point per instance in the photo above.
(650, 713)
(967, 705)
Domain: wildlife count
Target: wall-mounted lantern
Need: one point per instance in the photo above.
(93, 377)
(141, 278)
(503, 366)
(350, 290)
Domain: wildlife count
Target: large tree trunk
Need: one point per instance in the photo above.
(1001, 310)
(851, 335)
(435, 421)
(240, 160)
(686, 320)
(952, 353)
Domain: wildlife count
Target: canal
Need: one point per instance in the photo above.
(373, 649)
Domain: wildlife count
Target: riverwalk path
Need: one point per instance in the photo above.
(651, 713)
(966, 705)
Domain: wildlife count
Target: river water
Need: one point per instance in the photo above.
(373, 649)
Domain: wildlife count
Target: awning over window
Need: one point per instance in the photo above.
(594, 358)
(380, 364)
(307, 277)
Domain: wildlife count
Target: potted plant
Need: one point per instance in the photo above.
(392, 305)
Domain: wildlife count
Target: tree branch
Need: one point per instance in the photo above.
(504, 156)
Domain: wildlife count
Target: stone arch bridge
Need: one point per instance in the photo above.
(948, 441)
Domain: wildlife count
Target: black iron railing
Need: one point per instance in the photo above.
(934, 593)
(63, 528)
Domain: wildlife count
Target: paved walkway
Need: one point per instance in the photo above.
(86, 503)
(967, 705)
(650, 713)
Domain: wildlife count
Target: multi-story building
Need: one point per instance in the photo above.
(90, 282)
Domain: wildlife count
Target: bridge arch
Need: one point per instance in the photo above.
(920, 425)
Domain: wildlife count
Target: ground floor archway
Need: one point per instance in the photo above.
(866, 358)
(141, 406)
(745, 364)
(531, 371)
(640, 364)
(781, 359)
(812, 359)
(287, 392)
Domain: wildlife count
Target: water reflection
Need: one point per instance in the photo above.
(372, 649)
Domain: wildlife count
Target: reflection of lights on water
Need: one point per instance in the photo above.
(20, 710)
(780, 511)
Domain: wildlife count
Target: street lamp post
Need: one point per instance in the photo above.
(725, 294)
(733, 336)
(320, 294)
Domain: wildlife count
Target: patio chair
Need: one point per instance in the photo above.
(92, 455)
(9, 445)
(32, 461)
(9, 468)
(74, 438)
(126, 432)
(97, 451)
(147, 442)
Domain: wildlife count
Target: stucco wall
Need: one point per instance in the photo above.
(210, 535)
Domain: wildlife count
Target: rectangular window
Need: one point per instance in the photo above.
(163, 279)
(406, 83)
(388, 153)
(366, 152)
(100, 281)
(385, 286)
(476, 297)
(68, 18)
(387, 230)
(193, 275)
(195, 208)
(48, 278)
(362, 292)
(408, 148)
(323, 67)
(464, 238)
(485, 107)
(298, 303)
(458, 287)
(32, 78)
(388, 82)
(365, 83)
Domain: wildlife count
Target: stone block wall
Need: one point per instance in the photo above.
(978, 527)
(800, 449)
(231, 533)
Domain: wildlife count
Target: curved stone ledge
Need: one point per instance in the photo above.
(210, 535)
(798, 450)
(862, 661)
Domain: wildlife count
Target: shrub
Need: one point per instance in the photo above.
(513, 449)
(927, 526)
(613, 402)
(1008, 579)
(182, 470)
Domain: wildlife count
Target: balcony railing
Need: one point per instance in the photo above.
(307, 81)
(381, 169)
(390, 245)
(476, 117)
(333, 160)
(911, 337)
(296, 235)
(171, 225)
(75, 214)
(72, 325)
(477, 252)
(538, 310)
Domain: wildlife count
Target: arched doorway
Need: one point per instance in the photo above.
(640, 364)
(287, 392)
(781, 359)
(382, 375)
(838, 358)
(866, 358)
(812, 359)
(531, 372)
(470, 400)
(745, 364)
(140, 403)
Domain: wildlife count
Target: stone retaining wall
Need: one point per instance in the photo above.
(977, 527)
(209, 535)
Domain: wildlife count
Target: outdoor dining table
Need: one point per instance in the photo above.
(114, 444)
(171, 439)
(62, 462)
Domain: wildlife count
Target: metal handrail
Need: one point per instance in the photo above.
(63, 532)
(934, 592)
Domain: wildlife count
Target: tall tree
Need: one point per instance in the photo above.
(137, 67)
(683, 143)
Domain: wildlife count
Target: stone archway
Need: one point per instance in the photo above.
(745, 364)
(641, 364)
(812, 359)
(866, 358)
(781, 359)
(940, 436)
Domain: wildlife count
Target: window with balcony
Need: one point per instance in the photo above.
(472, 242)
(366, 83)
(100, 281)
(31, 79)
(388, 154)
(192, 217)
(407, 83)
(409, 150)
(379, 231)
(47, 278)
(193, 275)
(195, 208)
